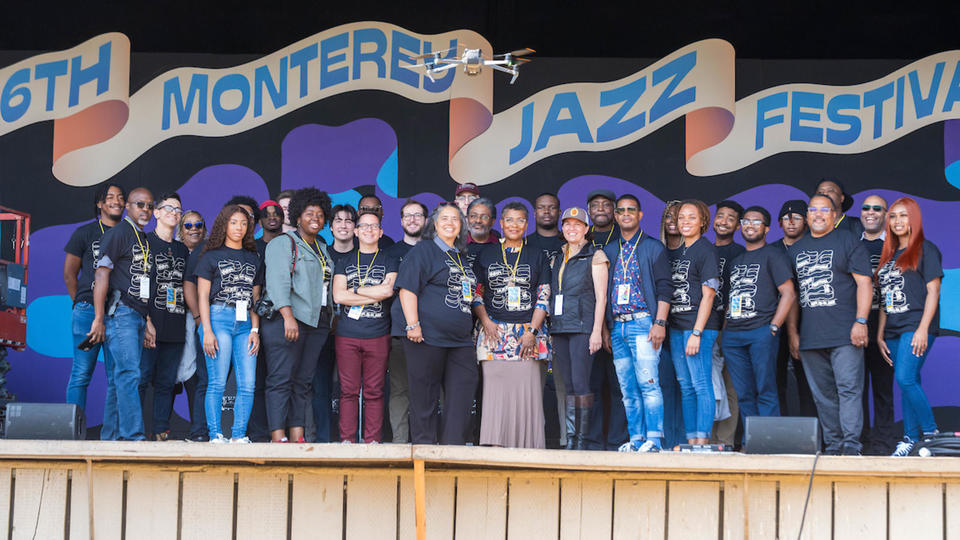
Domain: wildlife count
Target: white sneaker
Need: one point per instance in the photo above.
(648, 446)
(241, 440)
(629, 446)
(903, 448)
(219, 439)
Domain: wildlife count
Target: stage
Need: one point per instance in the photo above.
(198, 490)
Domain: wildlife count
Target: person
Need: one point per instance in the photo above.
(464, 195)
(831, 187)
(639, 289)
(79, 265)
(512, 341)
(693, 322)
(342, 227)
(271, 221)
(909, 275)
(578, 292)
(760, 293)
(229, 279)
(673, 430)
(123, 268)
(546, 214)
(608, 420)
(437, 285)
(878, 374)
(299, 273)
(192, 232)
(481, 215)
(371, 203)
(361, 287)
(283, 199)
(833, 271)
(413, 216)
(726, 222)
(167, 261)
(248, 204)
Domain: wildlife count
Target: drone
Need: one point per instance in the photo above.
(473, 61)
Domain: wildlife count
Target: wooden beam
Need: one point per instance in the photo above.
(420, 498)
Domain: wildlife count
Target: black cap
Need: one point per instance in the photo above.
(847, 199)
(795, 206)
(733, 205)
(605, 193)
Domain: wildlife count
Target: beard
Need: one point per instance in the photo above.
(413, 234)
(115, 217)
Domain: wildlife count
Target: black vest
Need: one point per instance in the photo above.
(579, 298)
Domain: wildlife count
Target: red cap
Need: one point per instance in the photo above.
(469, 187)
(269, 202)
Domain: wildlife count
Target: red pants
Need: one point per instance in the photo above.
(362, 362)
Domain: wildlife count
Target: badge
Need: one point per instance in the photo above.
(241, 310)
(735, 305)
(513, 298)
(466, 290)
(171, 299)
(558, 307)
(355, 312)
(888, 300)
(623, 294)
(323, 296)
(145, 287)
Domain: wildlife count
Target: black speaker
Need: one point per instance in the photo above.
(48, 421)
(781, 435)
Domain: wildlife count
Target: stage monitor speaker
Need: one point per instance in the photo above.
(48, 421)
(781, 435)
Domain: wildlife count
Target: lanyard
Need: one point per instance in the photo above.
(513, 271)
(323, 260)
(609, 234)
(144, 249)
(625, 261)
(837, 224)
(457, 262)
(100, 223)
(369, 266)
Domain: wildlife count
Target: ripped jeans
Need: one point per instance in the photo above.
(637, 365)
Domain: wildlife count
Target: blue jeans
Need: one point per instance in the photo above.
(751, 358)
(84, 364)
(917, 414)
(694, 373)
(158, 368)
(638, 371)
(232, 336)
(125, 342)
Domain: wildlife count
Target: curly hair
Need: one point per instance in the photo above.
(309, 196)
(218, 232)
(670, 210)
(701, 209)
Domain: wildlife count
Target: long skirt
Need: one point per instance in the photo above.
(512, 404)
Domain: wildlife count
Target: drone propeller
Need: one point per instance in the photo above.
(522, 52)
(522, 60)
(433, 54)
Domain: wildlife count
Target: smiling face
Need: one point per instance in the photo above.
(192, 230)
(311, 220)
(140, 206)
(112, 205)
(574, 230)
(168, 212)
(899, 219)
(820, 216)
(726, 222)
(448, 224)
(514, 224)
(873, 214)
(237, 227)
(412, 219)
(368, 230)
(670, 223)
(689, 222)
(754, 230)
(342, 226)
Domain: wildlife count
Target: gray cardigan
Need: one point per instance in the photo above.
(303, 291)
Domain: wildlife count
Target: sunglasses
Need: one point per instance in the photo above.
(196, 225)
(141, 205)
(626, 209)
(874, 207)
(371, 208)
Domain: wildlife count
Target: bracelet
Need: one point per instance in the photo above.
(410, 327)
(195, 317)
(254, 330)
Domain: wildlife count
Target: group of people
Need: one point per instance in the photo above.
(648, 340)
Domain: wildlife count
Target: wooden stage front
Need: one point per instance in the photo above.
(197, 490)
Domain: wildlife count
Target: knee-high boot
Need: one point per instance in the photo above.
(571, 421)
(584, 404)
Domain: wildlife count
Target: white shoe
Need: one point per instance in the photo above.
(219, 439)
(628, 446)
(903, 448)
(241, 440)
(648, 446)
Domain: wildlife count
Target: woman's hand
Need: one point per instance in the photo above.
(919, 342)
(415, 334)
(210, 347)
(491, 332)
(253, 343)
(693, 345)
(884, 350)
(291, 330)
(528, 345)
(596, 341)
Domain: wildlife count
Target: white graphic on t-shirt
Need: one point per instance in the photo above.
(815, 273)
(374, 276)
(236, 281)
(718, 300)
(891, 286)
(95, 252)
(169, 275)
(498, 276)
(454, 298)
(137, 272)
(681, 288)
(874, 262)
(743, 285)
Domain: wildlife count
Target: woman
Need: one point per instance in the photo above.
(227, 287)
(436, 288)
(515, 285)
(299, 273)
(694, 325)
(578, 290)
(909, 275)
(191, 229)
(673, 432)
(193, 369)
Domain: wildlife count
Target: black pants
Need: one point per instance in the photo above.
(608, 418)
(878, 376)
(196, 388)
(430, 369)
(572, 358)
(257, 426)
(804, 396)
(290, 370)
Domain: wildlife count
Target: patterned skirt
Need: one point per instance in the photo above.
(507, 348)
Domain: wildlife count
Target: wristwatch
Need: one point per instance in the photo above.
(410, 327)
(774, 328)
(534, 331)
(660, 322)
(254, 330)
(696, 332)
(861, 320)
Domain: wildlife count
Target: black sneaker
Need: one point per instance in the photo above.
(197, 438)
(904, 448)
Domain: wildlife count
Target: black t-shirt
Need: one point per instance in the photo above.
(191, 272)
(753, 280)
(725, 254)
(691, 267)
(398, 323)
(550, 245)
(828, 293)
(337, 255)
(126, 246)
(168, 261)
(602, 238)
(851, 224)
(232, 274)
(436, 277)
(874, 247)
(531, 271)
(85, 244)
(374, 319)
(903, 294)
(385, 242)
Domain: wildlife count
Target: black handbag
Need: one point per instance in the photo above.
(264, 308)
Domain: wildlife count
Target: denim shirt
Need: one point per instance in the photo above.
(304, 290)
(651, 258)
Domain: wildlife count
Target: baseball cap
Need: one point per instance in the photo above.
(605, 193)
(575, 213)
(269, 202)
(795, 206)
(469, 187)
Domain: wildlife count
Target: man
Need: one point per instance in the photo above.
(283, 199)
(879, 374)
(638, 303)
(481, 215)
(832, 188)
(342, 228)
(167, 313)
(608, 420)
(413, 216)
(466, 194)
(546, 213)
(372, 204)
(833, 272)
(272, 217)
(82, 253)
(725, 224)
(760, 295)
(123, 269)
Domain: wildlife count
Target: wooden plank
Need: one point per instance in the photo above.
(762, 510)
(317, 504)
(916, 510)
(952, 501)
(107, 504)
(639, 509)
(371, 506)
(207, 509)
(152, 498)
(261, 504)
(40, 507)
(406, 509)
(734, 514)
(586, 508)
(4, 500)
(481, 508)
(693, 509)
(534, 504)
(440, 504)
(860, 510)
(818, 522)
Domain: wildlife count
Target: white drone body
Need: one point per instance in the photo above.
(473, 61)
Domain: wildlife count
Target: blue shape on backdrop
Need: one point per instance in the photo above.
(54, 337)
(387, 177)
(952, 172)
(950, 291)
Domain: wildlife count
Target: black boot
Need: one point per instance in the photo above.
(571, 422)
(584, 405)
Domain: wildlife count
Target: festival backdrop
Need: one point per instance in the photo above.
(346, 111)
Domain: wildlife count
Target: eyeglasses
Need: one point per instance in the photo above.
(512, 220)
(142, 204)
(170, 208)
(197, 225)
(627, 210)
(480, 217)
(368, 226)
(413, 215)
(745, 222)
(874, 207)
(822, 210)
(376, 208)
